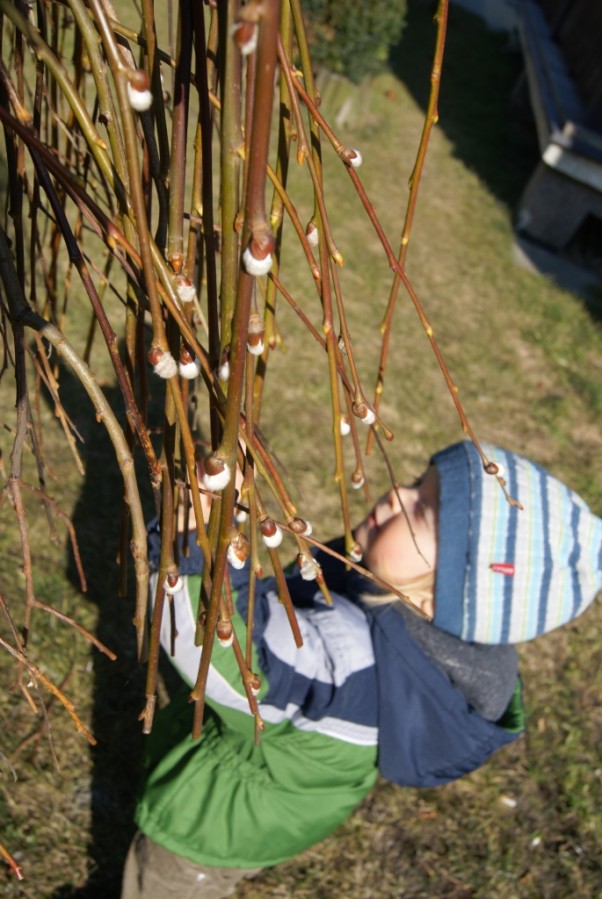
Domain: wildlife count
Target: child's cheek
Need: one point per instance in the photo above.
(376, 558)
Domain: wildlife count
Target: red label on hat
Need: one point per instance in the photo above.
(506, 568)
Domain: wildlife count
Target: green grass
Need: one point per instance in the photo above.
(526, 357)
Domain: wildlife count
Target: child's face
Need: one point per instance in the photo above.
(401, 547)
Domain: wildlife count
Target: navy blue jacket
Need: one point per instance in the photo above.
(428, 733)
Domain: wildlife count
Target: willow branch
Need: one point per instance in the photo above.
(177, 165)
(12, 863)
(78, 627)
(48, 500)
(39, 675)
(430, 120)
(231, 142)
(399, 271)
(42, 51)
(120, 75)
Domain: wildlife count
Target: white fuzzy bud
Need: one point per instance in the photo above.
(225, 635)
(355, 553)
(140, 100)
(344, 426)
(358, 481)
(190, 370)
(172, 589)
(224, 371)
(240, 516)
(255, 266)
(251, 45)
(245, 35)
(186, 290)
(300, 526)
(273, 540)
(369, 416)
(307, 567)
(256, 349)
(233, 558)
(312, 234)
(356, 160)
(166, 366)
(217, 481)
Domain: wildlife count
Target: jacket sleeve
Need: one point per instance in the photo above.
(326, 686)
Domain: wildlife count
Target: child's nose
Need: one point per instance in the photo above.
(389, 507)
(396, 497)
(393, 501)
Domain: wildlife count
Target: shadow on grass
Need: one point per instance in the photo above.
(118, 692)
(480, 108)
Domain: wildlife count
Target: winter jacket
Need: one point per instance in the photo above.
(360, 695)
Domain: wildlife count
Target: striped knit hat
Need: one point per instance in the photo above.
(505, 575)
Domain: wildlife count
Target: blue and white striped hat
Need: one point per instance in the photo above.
(505, 575)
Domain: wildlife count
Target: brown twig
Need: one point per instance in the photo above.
(430, 120)
(11, 862)
(39, 674)
(78, 627)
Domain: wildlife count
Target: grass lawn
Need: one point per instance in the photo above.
(527, 358)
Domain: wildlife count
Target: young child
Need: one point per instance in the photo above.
(421, 698)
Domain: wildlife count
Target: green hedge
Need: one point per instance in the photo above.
(353, 37)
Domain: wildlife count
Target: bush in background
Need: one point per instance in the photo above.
(352, 37)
